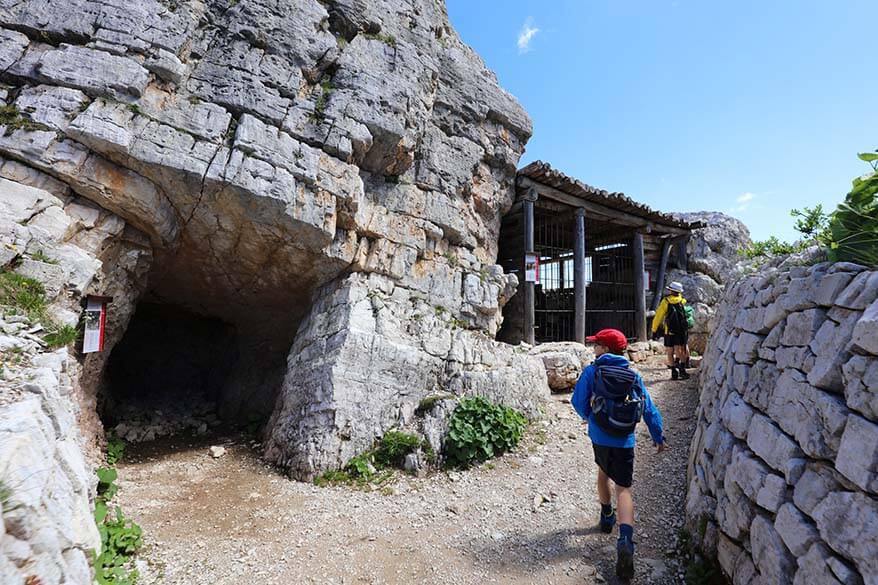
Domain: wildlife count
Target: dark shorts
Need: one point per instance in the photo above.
(616, 462)
(675, 339)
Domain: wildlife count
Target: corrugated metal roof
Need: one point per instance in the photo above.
(543, 173)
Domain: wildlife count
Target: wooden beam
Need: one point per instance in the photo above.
(609, 213)
(579, 277)
(639, 289)
(529, 314)
(660, 277)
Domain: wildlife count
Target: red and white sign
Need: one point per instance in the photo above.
(532, 268)
(95, 324)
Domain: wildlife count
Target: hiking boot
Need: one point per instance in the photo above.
(625, 558)
(683, 374)
(607, 522)
(674, 374)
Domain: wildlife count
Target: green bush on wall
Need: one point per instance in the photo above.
(853, 226)
(479, 430)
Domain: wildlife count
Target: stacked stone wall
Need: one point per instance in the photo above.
(783, 472)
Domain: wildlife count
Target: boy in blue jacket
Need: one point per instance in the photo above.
(612, 435)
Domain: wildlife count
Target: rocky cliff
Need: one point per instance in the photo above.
(783, 466)
(325, 177)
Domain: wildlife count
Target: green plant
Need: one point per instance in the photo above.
(770, 247)
(452, 258)
(40, 256)
(480, 430)
(134, 108)
(812, 222)
(322, 100)
(428, 402)
(6, 503)
(29, 296)
(60, 336)
(360, 467)
(13, 120)
(388, 40)
(106, 483)
(115, 449)
(23, 293)
(121, 537)
(853, 226)
(393, 448)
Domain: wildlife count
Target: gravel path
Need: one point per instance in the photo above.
(528, 517)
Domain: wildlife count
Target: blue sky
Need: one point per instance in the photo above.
(747, 107)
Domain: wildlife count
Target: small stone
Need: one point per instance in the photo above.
(216, 452)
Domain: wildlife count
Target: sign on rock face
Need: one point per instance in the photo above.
(95, 323)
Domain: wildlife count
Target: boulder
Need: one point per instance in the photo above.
(714, 249)
(564, 362)
(697, 287)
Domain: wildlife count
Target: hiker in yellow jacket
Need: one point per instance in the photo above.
(670, 322)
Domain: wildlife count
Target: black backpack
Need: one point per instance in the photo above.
(616, 400)
(676, 318)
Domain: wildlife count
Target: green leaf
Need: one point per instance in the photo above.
(868, 156)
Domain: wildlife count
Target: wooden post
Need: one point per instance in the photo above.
(682, 252)
(529, 317)
(639, 289)
(579, 277)
(660, 277)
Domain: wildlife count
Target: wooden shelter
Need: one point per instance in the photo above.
(602, 258)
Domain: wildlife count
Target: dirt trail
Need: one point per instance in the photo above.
(528, 517)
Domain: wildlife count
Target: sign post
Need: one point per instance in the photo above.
(95, 323)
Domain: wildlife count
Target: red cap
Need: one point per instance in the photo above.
(612, 339)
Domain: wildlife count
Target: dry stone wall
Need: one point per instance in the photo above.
(783, 466)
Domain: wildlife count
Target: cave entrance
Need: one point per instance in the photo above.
(176, 371)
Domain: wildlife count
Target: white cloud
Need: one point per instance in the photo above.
(743, 202)
(526, 35)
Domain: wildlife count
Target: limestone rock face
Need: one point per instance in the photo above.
(713, 249)
(327, 177)
(787, 437)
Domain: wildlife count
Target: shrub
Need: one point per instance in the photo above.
(393, 448)
(480, 430)
(121, 538)
(60, 336)
(812, 223)
(853, 226)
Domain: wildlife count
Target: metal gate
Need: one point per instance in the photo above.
(609, 269)
(553, 294)
(610, 292)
